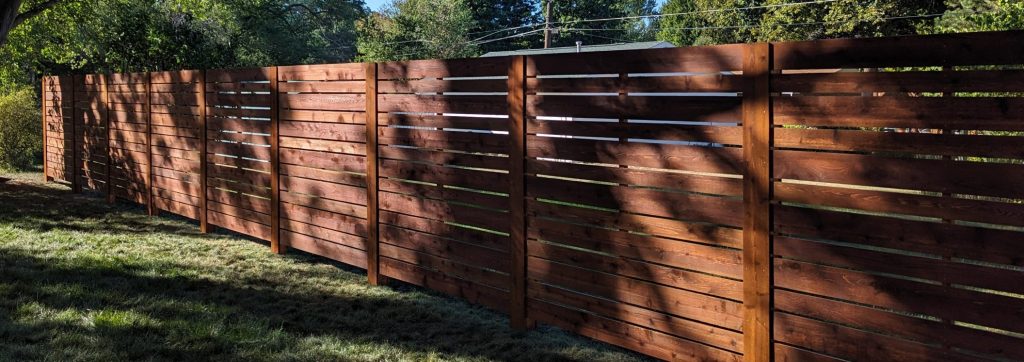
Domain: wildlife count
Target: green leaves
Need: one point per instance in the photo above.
(981, 15)
(20, 131)
(417, 29)
(89, 36)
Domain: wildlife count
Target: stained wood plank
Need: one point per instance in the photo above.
(660, 84)
(470, 104)
(645, 318)
(639, 177)
(725, 160)
(708, 259)
(916, 143)
(700, 307)
(973, 178)
(463, 289)
(325, 248)
(975, 243)
(853, 344)
(640, 270)
(693, 109)
(436, 68)
(322, 72)
(696, 232)
(992, 310)
(447, 140)
(730, 135)
(673, 205)
(330, 102)
(980, 113)
(331, 131)
(983, 48)
(706, 59)
(901, 81)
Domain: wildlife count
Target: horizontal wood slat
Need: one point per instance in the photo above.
(826, 200)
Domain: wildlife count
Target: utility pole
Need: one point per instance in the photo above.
(547, 24)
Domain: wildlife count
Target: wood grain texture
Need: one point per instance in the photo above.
(602, 192)
(983, 48)
(373, 269)
(757, 195)
(275, 165)
(516, 98)
(203, 215)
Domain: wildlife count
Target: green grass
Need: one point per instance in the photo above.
(83, 280)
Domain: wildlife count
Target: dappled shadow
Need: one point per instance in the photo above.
(897, 198)
(258, 307)
(43, 208)
(174, 313)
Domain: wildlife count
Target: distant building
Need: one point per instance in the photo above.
(585, 49)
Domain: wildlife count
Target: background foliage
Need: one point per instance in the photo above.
(103, 36)
(21, 135)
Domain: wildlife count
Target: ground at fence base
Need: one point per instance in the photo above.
(85, 280)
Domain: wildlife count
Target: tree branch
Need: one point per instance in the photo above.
(39, 8)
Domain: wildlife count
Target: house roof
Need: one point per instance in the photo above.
(584, 49)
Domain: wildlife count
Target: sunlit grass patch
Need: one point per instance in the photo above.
(84, 280)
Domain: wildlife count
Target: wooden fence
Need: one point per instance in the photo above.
(854, 199)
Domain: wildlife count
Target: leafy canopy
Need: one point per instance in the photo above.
(418, 29)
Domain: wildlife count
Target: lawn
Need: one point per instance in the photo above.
(83, 280)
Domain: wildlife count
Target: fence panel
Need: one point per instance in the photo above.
(637, 180)
(91, 132)
(176, 122)
(899, 211)
(323, 160)
(129, 139)
(58, 131)
(444, 176)
(238, 150)
(634, 198)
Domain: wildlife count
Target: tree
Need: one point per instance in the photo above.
(132, 36)
(742, 21)
(678, 29)
(10, 16)
(704, 22)
(573, 21)
(845, 19)
(514, 15)
(417, 29)
(980, 15)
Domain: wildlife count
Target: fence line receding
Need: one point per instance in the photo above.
(852, 199)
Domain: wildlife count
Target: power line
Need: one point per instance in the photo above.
(753, 25)
(518, 35)
(757, 7)
(696, 12)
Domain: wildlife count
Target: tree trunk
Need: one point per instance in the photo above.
(8, 15)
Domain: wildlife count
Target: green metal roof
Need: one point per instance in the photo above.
(584, 48)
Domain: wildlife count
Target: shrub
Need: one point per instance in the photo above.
(21, 134)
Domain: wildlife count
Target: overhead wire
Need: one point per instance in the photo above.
(706, 11)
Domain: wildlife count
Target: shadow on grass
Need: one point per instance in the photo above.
(89, 307)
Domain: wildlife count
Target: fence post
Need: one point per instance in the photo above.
(76, 182)
(150, 205)
(42, 105)
(104, 80)
(204, 225)
(372, 205)
(757, 185)
(517, 191)
(275, 182)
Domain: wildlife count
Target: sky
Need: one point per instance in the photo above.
(377, 4)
